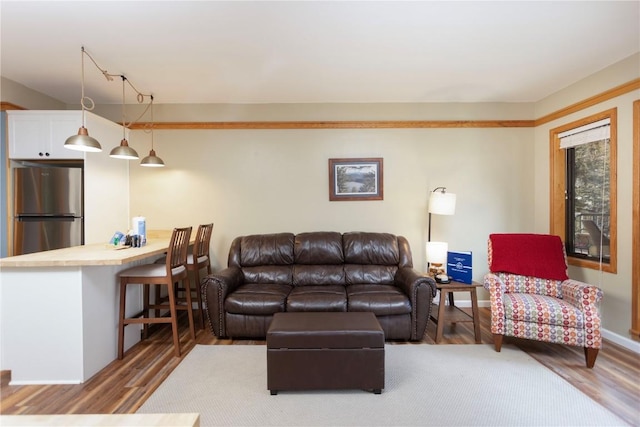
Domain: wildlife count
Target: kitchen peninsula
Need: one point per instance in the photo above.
(59, 310)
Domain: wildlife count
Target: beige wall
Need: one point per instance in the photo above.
(616, 305)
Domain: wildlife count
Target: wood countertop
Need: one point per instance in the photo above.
(88, 255)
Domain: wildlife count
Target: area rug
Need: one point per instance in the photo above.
(426, 385)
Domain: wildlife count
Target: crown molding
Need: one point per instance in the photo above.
(354, 124)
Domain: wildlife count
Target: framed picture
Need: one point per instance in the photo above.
(355, 179)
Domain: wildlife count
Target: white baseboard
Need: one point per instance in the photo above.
(625, 342)
(622, 341)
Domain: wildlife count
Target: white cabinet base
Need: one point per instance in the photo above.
(60, 324)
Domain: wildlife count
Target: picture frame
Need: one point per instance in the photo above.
(356, 179)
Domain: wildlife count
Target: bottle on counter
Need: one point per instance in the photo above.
(139, 226)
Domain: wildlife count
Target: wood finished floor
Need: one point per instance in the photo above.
(123, 386)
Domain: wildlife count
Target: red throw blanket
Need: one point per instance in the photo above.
(537, 255)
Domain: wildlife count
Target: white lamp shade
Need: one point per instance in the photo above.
(437, 252)
(442, 203)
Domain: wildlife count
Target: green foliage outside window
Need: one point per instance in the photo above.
(588, 199)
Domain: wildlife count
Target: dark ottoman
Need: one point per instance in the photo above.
(325, 351)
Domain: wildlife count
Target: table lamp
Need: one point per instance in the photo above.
(436, 257)
(440, 203)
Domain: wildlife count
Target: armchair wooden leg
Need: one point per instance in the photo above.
(590, 355)
(497, 342)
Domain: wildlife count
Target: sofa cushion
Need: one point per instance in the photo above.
(266, 249)
(371, 248)
(317, 298)
(305, 275)
(356, 274)
(382, 300)
(257, 299)
(318, 248)
(277, 274)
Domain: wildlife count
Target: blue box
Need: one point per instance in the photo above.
(459, 266)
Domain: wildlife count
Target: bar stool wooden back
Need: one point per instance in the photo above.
(199, 259)
(172, 271)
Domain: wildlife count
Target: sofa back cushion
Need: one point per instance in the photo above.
(373, 258)
(318, 259)
(264, 258)
(322, 248)
(266, 249)
(370, 248)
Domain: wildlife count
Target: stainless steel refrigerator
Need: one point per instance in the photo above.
(48, 207)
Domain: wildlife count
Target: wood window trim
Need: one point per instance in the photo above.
(557, 169)
(635, 250)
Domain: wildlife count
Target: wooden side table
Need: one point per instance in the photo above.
(454, 314)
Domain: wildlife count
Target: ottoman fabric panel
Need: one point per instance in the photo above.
(325, 369)
(325, 330)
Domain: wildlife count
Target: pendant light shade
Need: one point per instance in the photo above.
(82, 141)
(123, 151)
(152, 161)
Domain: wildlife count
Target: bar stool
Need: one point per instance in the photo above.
(200, 252)
(199, 259)
(173, 270)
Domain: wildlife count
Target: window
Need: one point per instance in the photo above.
(583, 190)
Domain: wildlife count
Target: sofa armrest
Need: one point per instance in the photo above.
(587, 298)
(497, 289)
(582, 295)
(215, 288)
(420, 289)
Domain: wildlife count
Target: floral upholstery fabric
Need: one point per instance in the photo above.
(563, 312)
(542, 309)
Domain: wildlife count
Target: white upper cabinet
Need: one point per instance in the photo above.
(38, 134)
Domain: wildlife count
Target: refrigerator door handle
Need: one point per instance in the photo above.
(33, 218)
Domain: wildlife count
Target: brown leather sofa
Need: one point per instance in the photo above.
(318, 271)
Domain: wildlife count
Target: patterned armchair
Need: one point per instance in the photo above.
(533, 298)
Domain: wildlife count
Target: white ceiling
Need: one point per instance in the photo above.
(305, 51)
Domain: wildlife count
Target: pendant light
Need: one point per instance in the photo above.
(152, 161)
(82, 141)
(123, 151)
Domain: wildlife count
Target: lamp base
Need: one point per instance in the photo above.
(435, 269)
